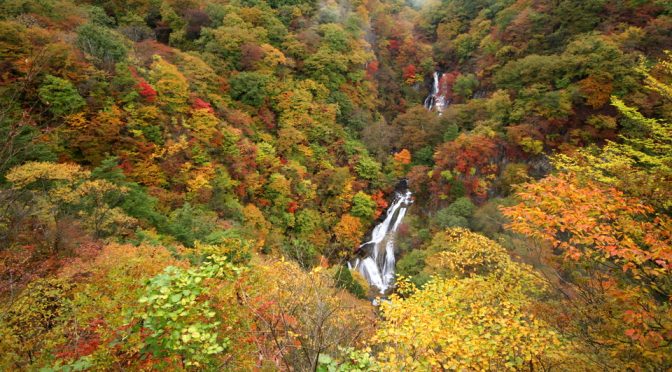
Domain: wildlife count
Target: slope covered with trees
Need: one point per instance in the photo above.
(183, 181)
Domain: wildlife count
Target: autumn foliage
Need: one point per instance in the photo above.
(186, 185)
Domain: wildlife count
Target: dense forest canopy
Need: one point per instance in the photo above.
(185, 184)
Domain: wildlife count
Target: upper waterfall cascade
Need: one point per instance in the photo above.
(436, 100)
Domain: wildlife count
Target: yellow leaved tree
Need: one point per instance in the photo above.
(301, 316)
(476, 313)
(43, 196)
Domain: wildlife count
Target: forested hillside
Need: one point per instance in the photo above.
(335, 185)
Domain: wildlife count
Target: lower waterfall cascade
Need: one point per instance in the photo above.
(378, 264)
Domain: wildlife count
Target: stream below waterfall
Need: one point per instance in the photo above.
(377, 263)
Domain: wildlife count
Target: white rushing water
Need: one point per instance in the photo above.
(378, 264)
(436, 100)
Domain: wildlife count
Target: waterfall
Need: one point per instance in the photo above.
(377, 266)
(436, 100)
